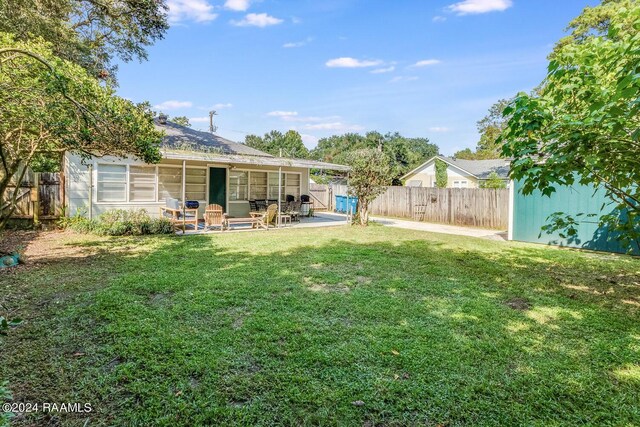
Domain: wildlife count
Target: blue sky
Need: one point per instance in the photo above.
(427, 68)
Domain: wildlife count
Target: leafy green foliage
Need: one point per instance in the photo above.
(49, 106)
(181, 120)
(493, 181)
(584, 124)
(442, 179)
(404, 153)
(118, 222)
(6, 324)
(93, 34)
(370, 173)
(276, 143)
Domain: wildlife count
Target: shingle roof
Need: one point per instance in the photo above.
(482, 168)
(181, 137)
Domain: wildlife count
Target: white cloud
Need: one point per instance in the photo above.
(297, 44)
(438, 18)
(469, 7)
(383, 70)
(346, 62)
(334, 126)
(173, 105)
(220, 106)
(398, 79)
(257, 20)
(439, 129)
(426, 63)
(282, 114)
(296, 20)
(199, 119)
(309, 141)
(237, 5)
(190, 10)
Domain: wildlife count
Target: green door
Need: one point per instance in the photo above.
(218, 187)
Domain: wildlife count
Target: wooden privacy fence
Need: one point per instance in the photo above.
(40, 196)
(476, 207)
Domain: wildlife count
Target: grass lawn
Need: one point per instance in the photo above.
(333, 326)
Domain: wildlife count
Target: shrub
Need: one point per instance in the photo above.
(119, 222)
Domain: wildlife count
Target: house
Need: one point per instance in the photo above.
(195, 165)
(460, 173)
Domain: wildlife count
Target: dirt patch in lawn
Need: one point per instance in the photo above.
(520, 304)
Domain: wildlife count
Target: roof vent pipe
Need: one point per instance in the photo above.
(162, 119)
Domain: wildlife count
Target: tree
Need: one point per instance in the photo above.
(442, 179)
(181, 120)
(370, 173)
(49, 106)
(493, 181)
(584, 123)
(275, 142)
(91, 33)
(490, 128)
(404, 153)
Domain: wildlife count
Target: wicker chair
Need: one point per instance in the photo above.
(214, 217)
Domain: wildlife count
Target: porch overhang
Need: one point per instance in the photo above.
(252, 160)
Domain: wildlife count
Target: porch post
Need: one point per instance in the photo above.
(279, 193)
(184, 181)
(348, 206)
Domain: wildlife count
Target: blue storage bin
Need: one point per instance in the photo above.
(341, 204)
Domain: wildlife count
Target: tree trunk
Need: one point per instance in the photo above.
(4, 184)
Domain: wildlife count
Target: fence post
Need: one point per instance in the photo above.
(35, 197)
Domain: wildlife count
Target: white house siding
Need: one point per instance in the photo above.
(81, 185)
(427, 176)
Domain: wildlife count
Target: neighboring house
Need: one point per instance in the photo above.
(195, 165)
(460, 173)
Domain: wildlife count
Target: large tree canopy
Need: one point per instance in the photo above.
(49, 105)
(91, 33)
(402, 153)
(275, 142)
(583, 125)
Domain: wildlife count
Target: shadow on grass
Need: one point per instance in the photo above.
(240, 330)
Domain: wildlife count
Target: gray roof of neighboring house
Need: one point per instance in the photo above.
(181, 137)
(482, 168)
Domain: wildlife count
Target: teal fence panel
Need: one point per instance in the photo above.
(532, 211)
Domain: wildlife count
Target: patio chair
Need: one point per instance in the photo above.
(214, 217)
(268, 217)
(177, 215)
(294, 210)
(261, 205)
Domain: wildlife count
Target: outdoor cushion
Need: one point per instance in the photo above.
(172, 203)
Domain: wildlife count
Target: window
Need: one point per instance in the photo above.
(112, 183)
(238, 185)
(196, 184)
(273, 185)
(142, 183)
(291, 185)
(169, 182)
(460, 184)
(257, 185)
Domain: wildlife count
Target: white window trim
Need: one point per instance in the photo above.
(127, 201)
(284, 173)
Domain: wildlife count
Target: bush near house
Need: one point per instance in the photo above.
(119, 222)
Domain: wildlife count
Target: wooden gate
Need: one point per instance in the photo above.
(321, 196)
(39, 196)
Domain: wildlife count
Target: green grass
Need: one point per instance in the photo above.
(292, 327)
